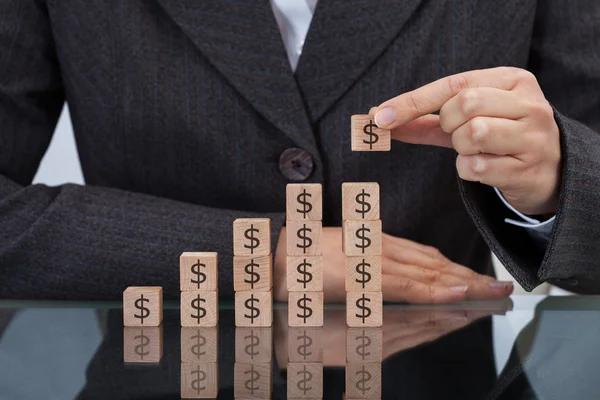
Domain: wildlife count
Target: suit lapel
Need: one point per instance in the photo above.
(241, 39)
(345, 38)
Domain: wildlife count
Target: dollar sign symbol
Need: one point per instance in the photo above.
(365, 342)
(306, 276)
(365, 206)
(365, 377)
(306, 378)
(306, 343)
(144, 311)
(306, 241)
(365, 241)
(254, 311)
(200, 342)
(365, 276)
(365, 310)
(251, 348)
(144, 341)
(373, 137)
(254, 276)
(200, 276)
(254, 377)
(254, 242)
(306, 206)
(306, 310)
(199, 377)
(200, 311)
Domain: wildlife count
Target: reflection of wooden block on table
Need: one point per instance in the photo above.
(253, 309)
(252, 237)
(363, 380)
(304, 201)
(253, 345)
(360, 201)
(367, 136)
(199, 309)
(305, 274)
(252, 381)
(199, 345)
(143, 345)
(198, 271)
(199, 380)
(252, 273)
(305, 344)
(362, 238)
(305, 308)
(304, 238)
(363, 274)
(305, 381)
(364, 345)
(143, 306)
(364, 309)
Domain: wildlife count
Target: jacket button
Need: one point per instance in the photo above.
(296, 164)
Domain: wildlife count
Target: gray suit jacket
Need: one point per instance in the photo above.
(182, 108)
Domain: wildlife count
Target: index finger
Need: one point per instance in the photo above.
(431, 97)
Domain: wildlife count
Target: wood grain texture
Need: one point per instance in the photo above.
(370, 280)
(305, 344)
(246, 388)
(353, 233)
(252, 237)
(253, 273)
(254, 309)
(199, 344)
(372, 311)
(298, 281)
(206, 266)
(301, 197)
(253, 345)
(297, 231)
(305, 380)
(363, 380)
(362, 141)
(199, 309)
(305, 308)
(142, 345)
(209, 387)
(364, 345)
(150, 306)
(360, 201)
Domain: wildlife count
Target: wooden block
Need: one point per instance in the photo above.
(305, 309)
(199, 380)
(305, 344)
(362, 238)
(252, 273)
(360, 201)
(253, 309)
(199, 345)
(199, 308)
(363, 274)
(367, 136)
(305, 274)
(143, 306)
(305, 380)
(364, 345)
(198, 271)
(252, 381)
(304, 238)
(252, 237)
(304, 201)
(253, 345)
(364, 309)
(363, 380)
(143, 345)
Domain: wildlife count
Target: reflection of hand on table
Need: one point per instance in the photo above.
(411, 272)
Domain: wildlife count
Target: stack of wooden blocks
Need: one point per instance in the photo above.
(253, 370)
(199, 368)
(364, 353)
(362, 245)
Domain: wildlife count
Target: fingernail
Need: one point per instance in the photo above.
(372, 110)
(461, 289)
(500, 284)
(385, 117)
(478, 164)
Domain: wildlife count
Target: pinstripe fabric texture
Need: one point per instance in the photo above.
(182, 108)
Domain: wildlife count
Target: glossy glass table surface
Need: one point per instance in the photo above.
(526, 347)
